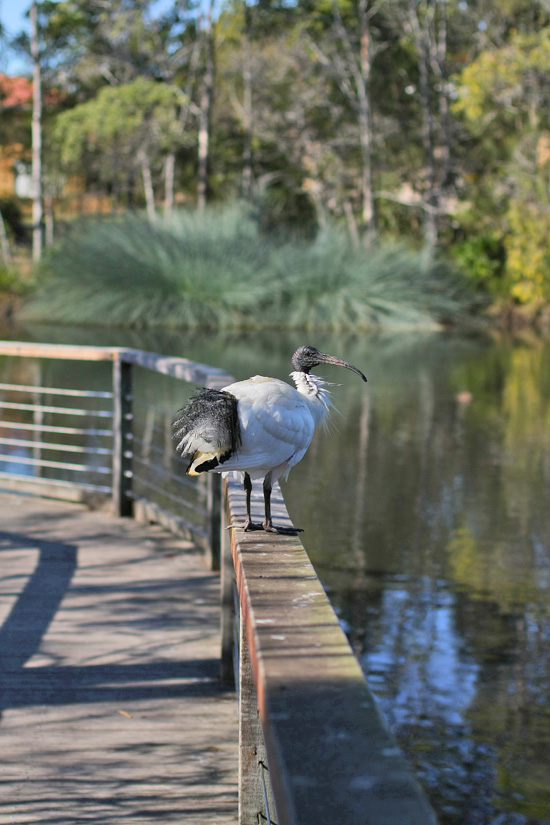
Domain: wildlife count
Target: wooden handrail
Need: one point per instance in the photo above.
(181, 368)
(330, 757)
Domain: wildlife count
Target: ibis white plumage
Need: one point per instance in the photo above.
(260, 427)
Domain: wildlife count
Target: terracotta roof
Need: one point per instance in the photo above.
(14, 91)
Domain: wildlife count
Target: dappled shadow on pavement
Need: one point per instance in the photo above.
(111, 710)
(27, 622)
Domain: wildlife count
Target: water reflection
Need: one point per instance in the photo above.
(442, 575)
(425, 511)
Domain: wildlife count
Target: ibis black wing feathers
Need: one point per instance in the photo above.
(208, 430)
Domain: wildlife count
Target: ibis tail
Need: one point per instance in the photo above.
(208, 430)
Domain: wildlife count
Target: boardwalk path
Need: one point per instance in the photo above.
(111, 711)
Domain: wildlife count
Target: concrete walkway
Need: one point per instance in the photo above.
(111, 710)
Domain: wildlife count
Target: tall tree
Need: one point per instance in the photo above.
(347, 52)
(37, 200)
(247, 106)
(424, 22)
(205, 105)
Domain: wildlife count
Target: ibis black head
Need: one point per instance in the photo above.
(306, 357)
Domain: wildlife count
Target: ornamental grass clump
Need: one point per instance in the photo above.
(192, 270)
(332, 284)
(216, 269)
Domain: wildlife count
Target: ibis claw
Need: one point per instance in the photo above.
(249, 526)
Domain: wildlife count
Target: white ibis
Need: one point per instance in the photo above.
(260, 427)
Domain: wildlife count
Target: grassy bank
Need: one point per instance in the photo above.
(217, 270)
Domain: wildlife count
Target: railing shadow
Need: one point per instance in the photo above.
(30, 616)
(26, 624)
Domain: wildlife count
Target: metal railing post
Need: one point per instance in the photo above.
(227, 605)
(122, 437)
(214, 523)
(255, 795)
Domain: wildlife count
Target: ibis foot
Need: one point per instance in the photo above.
(249, 526)
(269, 527)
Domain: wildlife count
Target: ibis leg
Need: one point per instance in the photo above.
(248, 523)
(268, 523)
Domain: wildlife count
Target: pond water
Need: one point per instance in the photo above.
(426, 513)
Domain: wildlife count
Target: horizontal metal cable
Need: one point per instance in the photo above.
(167, 474)
(161, 451)
(181, 502)
(153, 448)
(66, 448)
(53, 428)
(9, 405)
(193, 528)
(56, 391)
(60, 465)
(56, 482)
(148, 406)
(142, 424)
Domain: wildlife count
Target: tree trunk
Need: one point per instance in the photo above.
(148, 188)
(352, 68)
(368, 216)
(170, 166)
(169, 172)
(4, 243)
(430, 211)
(206, 113)
(37, 212)
(441, 54)
(49, 220)
(421, 23)
(247, 177)
(352, 223)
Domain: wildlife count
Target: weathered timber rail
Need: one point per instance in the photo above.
(313, 749)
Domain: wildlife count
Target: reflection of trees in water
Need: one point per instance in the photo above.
(444, 575)
(465, 690)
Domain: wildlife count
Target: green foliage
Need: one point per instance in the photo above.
(528, 252)
(190, 271)
(481, 258)
(119, 126)
(504, 98)
(331, 284)
(424, 111)
(216, 269)
(11, 214)
(8, 280)
(504, 85)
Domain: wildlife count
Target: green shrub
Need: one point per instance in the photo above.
(189, 271)
(481, 258)
(11, 214)
(217, 269)
(333, 285)
(8, 280)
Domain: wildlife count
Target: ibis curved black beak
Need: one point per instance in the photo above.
(337, 362)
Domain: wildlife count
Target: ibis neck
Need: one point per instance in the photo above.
(312, 387)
